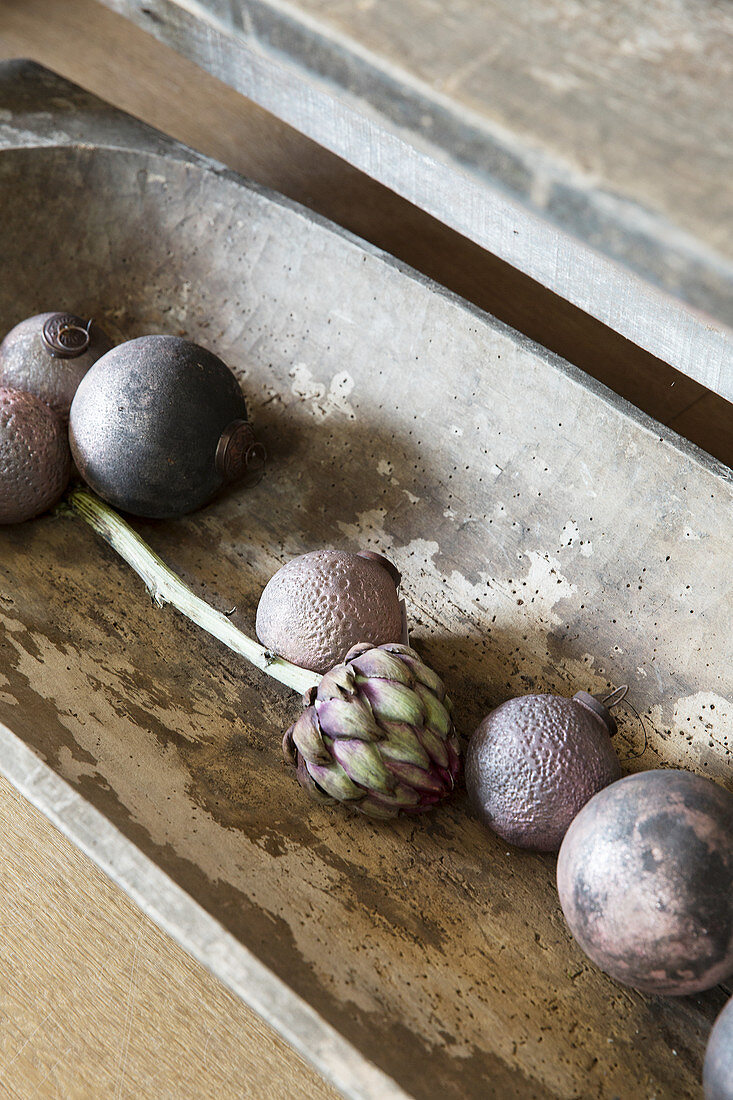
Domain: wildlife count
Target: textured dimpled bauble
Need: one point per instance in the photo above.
(317, 606)
(717, 1074)
(34, 456)
(49, 354)
(645, 877)
(535, 761)
(149, 422)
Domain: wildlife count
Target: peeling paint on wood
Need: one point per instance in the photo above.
(400, 419)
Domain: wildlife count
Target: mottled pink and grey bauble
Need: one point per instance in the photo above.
(535, 761)
(319, 605)
(645, 876)
(35, 462)
(28, 362)
(717, 1074)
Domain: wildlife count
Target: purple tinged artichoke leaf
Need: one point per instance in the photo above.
(418, 778)
(357, 650)
(362, 762)
(435, 747)
(378, 664)
(402, 798)
(310, 786)
(337, 683)
(289, 751)
(436, 716)
(426, 676)
(399, 648)
(306, 736)
(347, 718)
(372, 808)
(403, 745)
(334, 781)
(454, 754)
(393, 702)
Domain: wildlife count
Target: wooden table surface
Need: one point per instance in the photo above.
(106, 54)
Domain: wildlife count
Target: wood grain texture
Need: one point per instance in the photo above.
(158, 85)
(634, 96)
(549, 537)
(95, 1001)
(628, 263)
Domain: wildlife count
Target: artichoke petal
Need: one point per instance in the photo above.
(349, 718)
(372, 808)
(435, 746)
(436, 716)
(393, 702)
(306, 736)
(356, 651)
(334, 781)
(403, 745)
(378, 664)
(289, 751)
(418, 778)
(454, 754)
(425, 675)
(308, 783)
(402, 650)
(337, 683)
(363, 763)
(402, 797)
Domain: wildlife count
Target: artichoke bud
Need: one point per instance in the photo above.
(377, 734)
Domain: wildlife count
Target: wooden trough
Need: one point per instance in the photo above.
(550, 538)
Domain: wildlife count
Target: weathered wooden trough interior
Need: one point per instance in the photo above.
(550, 538)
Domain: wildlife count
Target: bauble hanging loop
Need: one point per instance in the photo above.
(66, 336)
(602, 706)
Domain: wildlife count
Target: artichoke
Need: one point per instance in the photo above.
(376, 734)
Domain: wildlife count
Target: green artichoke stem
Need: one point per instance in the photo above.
(165, 586)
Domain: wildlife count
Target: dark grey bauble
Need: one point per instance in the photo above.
(717, 1074)
(155, 426)
(645, 878)
(49, 354)
(535, 761)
